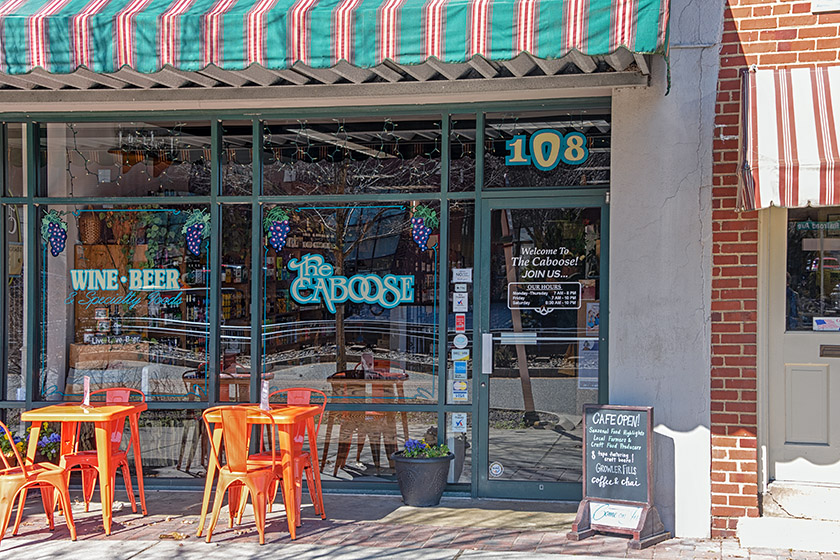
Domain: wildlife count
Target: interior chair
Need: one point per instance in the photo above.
(239, 471)
(17, 479)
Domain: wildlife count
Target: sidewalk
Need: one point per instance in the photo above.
(359, 527)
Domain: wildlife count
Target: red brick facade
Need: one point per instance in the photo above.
(771, 34)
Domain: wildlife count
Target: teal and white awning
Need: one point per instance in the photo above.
(146, 36)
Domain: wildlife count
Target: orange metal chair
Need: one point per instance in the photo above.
(14, 480)
(303, 459)
(87, 462)
(256, 477)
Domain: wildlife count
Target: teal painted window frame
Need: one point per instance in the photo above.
(33, 200)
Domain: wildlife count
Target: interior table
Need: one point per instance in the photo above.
(69, 415)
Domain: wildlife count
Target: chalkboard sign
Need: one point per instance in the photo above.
(617, 453)
(618, 475)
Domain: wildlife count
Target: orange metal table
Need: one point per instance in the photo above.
(101, 414)
(286, 417)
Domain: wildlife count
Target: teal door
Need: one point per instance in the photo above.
(543, 341)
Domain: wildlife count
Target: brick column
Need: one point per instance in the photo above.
(769, 34)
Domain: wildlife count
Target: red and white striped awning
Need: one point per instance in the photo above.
(789, 140)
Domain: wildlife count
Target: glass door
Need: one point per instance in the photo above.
(543, 342)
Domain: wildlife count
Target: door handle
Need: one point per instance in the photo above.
(487, 353)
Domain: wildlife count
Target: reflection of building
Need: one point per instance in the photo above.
(494, 136)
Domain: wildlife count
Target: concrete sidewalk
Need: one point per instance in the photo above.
(358, 527)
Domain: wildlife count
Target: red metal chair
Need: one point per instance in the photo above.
(303, 459)
(87, 462)
(14, 480)
(257, 477)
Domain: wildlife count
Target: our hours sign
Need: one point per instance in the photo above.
(618, 475)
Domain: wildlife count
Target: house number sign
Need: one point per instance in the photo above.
(545, 148)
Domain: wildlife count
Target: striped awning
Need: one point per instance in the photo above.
(104, 36)
(789, 139)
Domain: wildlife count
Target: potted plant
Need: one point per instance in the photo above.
(421, 472)
(49, 443)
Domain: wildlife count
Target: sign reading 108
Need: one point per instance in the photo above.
(547, 148)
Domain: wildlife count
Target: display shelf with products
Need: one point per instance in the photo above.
(169, 323)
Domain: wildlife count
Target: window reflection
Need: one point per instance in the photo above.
(376, 319)
(124, 296)
(348, 156)
(812, 287)
(126, 159)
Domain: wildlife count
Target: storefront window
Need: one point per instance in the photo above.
(124, 294)
(350, 296)
(356, 445)
(459, 329)
(352, 156)
(547, 149)
(126, 159)
(812, 290)
(458, 438)
(235, 367)
(237, 144)
(462, 153)
(16, 344)
(14, 165)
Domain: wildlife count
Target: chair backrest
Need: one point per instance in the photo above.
(303, 395)
(18, 458)
(117, 395)
(236, 424)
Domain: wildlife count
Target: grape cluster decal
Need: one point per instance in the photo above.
(424, 220)
(196, 229)
(277, 228)
(54, 231)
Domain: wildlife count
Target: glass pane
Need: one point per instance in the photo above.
(123, 300)
(546, 149)
(235, 377)
(459, 438)
(813, 269)
(15, 159)
(350, 300)
(349, 156)
(358, 444)
(462, 153)
(459, 331)
(237, 172)
(15, 301)
(126, 159)
(172, 444)
(544, 316)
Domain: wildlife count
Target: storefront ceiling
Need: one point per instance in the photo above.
(139, 44)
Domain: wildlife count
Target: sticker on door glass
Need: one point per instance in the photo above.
(496, 469)
(459, 422)
(459, 369)
(460, 341)
(544, 297)
(826, 324)
(462, 275)
(460, 302)
(460, 355)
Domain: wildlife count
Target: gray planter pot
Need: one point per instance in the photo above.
(421, 480)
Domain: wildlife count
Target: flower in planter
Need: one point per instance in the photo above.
(420, 449)
(48, 444)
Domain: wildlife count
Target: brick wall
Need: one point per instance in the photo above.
(771, 34)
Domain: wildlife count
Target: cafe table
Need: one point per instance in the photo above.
(285, 417)
(69, 415)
